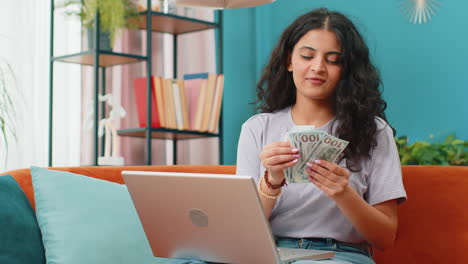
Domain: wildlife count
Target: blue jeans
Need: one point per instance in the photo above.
(343, 254)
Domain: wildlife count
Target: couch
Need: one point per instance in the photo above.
(433, 222)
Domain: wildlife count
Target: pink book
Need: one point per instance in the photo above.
(192, 90)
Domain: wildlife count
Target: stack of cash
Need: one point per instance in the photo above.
(312, 145)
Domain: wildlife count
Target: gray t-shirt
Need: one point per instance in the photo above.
(303, 210)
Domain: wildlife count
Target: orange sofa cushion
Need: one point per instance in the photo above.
(113, 173)
(433, 222)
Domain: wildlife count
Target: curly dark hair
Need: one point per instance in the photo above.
(357, 98)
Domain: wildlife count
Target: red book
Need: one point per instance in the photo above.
(139, 84)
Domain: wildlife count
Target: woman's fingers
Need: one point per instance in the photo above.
(280, 159)
(327, 190)
(331, 167)
(323, 171)
(282, 145)
(279, 144)
(284, 165)
(279, 151)
(325, 180)
(270, 152)
(329, 177)
(278, 155)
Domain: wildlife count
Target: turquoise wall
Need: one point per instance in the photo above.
(423, 67)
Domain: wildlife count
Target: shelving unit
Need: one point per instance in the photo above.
(165, 133)
(100, 59)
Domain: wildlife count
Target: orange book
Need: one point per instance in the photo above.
(217, 101)
(177, 105)
(183, 100)
(158, 93)
(139, 85)
(208, 102)
(169, 97)
(200, 105)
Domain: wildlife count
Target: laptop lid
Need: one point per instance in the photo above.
(209, 217)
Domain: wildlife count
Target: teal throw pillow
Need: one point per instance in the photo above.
(20, 237)
(87, 220)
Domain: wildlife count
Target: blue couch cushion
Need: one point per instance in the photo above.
(20, 237)
(87, 220)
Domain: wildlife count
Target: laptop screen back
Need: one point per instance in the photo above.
(210, 217)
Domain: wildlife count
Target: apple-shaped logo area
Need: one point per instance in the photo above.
(198, 217)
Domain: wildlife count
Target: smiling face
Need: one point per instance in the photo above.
(315, 65)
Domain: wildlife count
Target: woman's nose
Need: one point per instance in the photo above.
(317, 65)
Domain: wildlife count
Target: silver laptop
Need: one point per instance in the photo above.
(208, 217)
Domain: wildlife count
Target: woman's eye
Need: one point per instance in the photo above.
(307, 57)
(333, 59)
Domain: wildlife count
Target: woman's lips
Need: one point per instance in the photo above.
(316, 81)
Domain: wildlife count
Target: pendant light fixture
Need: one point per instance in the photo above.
(419, 11)
(223, 4)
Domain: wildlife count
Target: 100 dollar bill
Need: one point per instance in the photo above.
(312, 145)
(306, 142)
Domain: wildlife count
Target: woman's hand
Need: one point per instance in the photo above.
(332, 179)
(278, 156)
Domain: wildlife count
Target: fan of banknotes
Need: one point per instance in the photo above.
(312, 145)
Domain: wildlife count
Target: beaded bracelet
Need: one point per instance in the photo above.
(273, 186)
(271, 197)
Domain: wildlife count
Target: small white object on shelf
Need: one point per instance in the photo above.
(223, 4)
(106, 126)
(116, 112)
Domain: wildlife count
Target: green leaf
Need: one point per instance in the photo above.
(449, 139)
(451, 151)
(114, 15)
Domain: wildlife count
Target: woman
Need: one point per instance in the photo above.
(320, 74)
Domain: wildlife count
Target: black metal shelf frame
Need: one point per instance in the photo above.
(100, 59)
(107, 58)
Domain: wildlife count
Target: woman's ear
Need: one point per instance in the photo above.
(289, 63)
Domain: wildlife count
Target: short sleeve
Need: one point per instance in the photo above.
(248, 151)
(385, 178)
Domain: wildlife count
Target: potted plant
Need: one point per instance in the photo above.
(451, 151)
(114, 15)
(7, 108)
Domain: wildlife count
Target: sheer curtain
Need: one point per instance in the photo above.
(196, 54)
(24, 43)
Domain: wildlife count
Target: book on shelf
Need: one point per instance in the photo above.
(191, 104)
(200, 105)
(193, 76)
(217, 101)
(192, 90)
(210, 90)
(159, 94)
(177, 104)
(139, 85)
(183, 98)
(170, 107)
